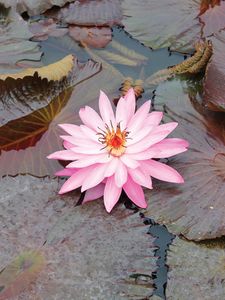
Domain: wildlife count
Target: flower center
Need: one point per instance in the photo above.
(114, 141)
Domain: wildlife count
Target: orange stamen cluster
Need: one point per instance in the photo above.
(114, 141)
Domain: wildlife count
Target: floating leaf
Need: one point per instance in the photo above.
(214, 89)
(34, 7)
(20, 97)
(196, 208)
(213, 18)
(25, 142)
(88, 252)
(196, 271)
(178, 27)
(89, 13)
(96, 37)
(20, 273)
(56, 71)
(15, 41)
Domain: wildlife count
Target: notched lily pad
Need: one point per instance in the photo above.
(196, 271)
(89, 253)
(196, 208)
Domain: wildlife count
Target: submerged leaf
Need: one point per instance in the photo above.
(20, 97)
(26, 142)
(96, 37)
(214, 88)
(196, 208)
(196, 271)
(20, 273)
(88, 252)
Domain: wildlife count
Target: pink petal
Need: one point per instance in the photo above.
(111, 194)
(129, 161)
(120, 174)
(88, 133)
(168, 148)
(66, 172)
(88, 160)
(72, 129)
(106, 110)
(67, 145)
(146, 142)
(75, 180)
(132, 139)
(94, 177)
(161, 171)
(64, 155)
(122, 113)
(111, 167)
(135, 193)
(81, 142)
(168, 126)
(94, 193)
(90, 149)
(140, 177)
(154, 118)
(137, 121)
(130, 103)
(91, 119)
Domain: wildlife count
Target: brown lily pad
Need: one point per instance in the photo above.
(196, 208)
(88, 252)
(214, 90)
(196, 271)
(27, 141)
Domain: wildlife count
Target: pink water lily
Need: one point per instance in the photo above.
(114, 152)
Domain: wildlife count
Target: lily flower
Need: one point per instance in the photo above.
(112, 152)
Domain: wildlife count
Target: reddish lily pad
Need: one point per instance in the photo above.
(88, 252)
(214, 89)
(89, 13)
(213, 18)
(196, 271)
(196, 208)
(25, 142)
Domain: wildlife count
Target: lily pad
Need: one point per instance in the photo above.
(34, 89)
(163, 23)
(15, 41)
(213, 18)
(196, 271)
(34, 7)
(196, 208)
(214, 89)
(89, 13)
(25, 142)
(89, 253)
